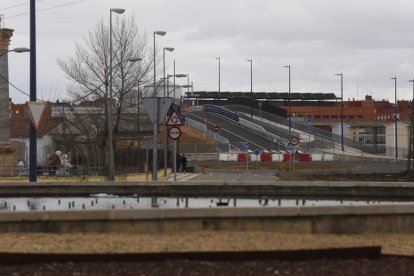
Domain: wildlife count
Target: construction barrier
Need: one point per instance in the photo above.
(305, 157)
(241, 157)
(228, 156)
(276, 157)
(266, 157)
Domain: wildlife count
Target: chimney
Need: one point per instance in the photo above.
(5, 36)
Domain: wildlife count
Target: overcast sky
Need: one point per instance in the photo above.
(369, 41)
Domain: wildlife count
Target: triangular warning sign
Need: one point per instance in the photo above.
(36, 112)
(174, 119)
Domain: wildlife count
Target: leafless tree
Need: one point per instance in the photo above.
(88, 70)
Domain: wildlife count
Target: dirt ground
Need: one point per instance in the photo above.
(400, 244)
(207, 241)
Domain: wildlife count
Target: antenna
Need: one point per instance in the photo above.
(1, 21)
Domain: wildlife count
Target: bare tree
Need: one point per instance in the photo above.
(88, 69)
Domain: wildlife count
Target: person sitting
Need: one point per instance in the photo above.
(184, 163)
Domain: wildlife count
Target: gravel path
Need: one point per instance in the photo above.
(196, 241)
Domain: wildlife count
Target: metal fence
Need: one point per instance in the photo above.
(91, 160)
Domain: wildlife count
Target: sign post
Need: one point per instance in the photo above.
(246, 147)
(174, 122)
(156, 116)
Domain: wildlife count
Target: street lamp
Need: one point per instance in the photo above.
(342, 110)
(170, 49)
(395, 117)
(289, 116)
(16, 50)
(165, 134)
(111, 163)
(219, 79)
(138, 94)
(251, 74)
(155, 147)
(412, 124)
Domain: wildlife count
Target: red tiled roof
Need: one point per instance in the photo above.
(19, 125)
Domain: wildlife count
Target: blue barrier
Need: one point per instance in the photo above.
(222, 112)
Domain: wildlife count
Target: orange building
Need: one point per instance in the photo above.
(367, 111)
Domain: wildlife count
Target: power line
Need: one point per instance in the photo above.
(18, 89)
(50, 8)
(16, 6)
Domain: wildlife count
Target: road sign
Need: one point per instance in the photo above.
(246, 146)
(257, 152)
(174, 119)
(289, 147)
(309, 130)
(217, 129)
(36, 112)
(309, 119)
(174, 132)
(294, 140)
(154, 104)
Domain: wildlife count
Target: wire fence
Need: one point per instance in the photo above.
(91, 160)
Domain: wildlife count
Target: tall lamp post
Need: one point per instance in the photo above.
(251, 74)
(138, 93)
(219, 80)
(395, 117)
(169, 49)
(165, 134)
(289, 105)
(342, 110)
(111, 162)
(412, 125)
(155, 146)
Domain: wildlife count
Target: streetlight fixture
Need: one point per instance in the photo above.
(219, 79)
(395, 117)
(342, 110)
(16, 50)
(111, 162)
(289, 105)
(251, 74)
(155, 147)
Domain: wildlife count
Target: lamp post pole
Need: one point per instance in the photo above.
(219, 79)
(251, 75)
(395, 117)
(289, 106)
(33, 85)
(342, 110)
(165, 134)
(111, 161)
(155, 146)
(412, 126)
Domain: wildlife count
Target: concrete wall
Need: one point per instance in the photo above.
(306, 220)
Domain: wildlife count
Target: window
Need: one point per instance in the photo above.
(325, 116)
(317, 116)
(351, 117)
(334, 116)
(359, 116)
